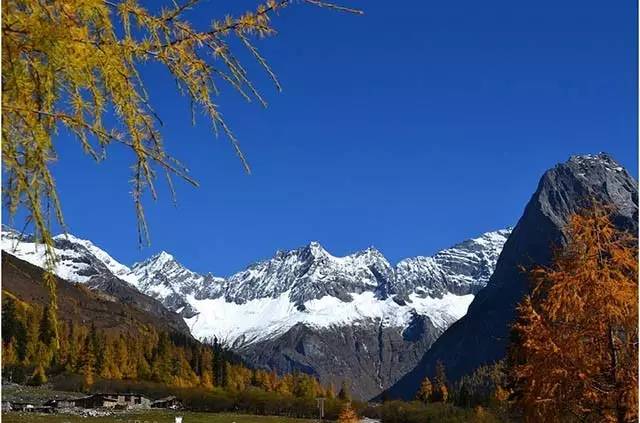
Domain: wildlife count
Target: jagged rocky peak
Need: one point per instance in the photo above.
(10, 233)
(462, 269)
(78, 260)
(583, 180)
(593, 161)
(308, 273)
(91, 251)
(315, 249)
(481, 336)
(163, 277)
(155, 263)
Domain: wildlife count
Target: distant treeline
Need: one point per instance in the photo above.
(205, 376)
(36, 349)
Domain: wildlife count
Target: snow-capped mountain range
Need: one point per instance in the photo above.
(306, 285)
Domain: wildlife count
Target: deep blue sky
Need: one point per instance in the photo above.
(410, 128)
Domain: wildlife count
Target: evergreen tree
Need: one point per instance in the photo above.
(344, 394)
(149, 355)
(225, 375)
(39, 376)
(88, 365)
(463, 396)
(97, 345)
(47, 327)
(304, 386)
(22, 341)
(206, 369)
(9, 320)
(72, 354)
(330, 392)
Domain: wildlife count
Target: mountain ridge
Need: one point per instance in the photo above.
(303, 309)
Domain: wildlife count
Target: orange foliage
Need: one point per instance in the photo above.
(575, 348)
(348, 415)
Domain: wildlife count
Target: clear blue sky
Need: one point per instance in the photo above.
(410, 128)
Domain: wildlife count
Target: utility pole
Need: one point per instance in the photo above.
(320, 401)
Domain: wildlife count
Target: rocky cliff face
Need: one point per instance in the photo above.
(481, 336)
(369, 355)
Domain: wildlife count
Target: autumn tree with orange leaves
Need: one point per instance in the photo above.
(348, 414)
(575, 351)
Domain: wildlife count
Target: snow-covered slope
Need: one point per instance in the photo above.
(163, 278)
(78, 259)
(307, 285)
(310, 286)
(462, 269)
(239, 325)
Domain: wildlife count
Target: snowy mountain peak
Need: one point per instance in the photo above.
(369, 255)
(462, 269)
(315, 249)
(156, 261)
(163, 256)
(295, 283)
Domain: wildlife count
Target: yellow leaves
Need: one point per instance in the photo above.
(64, 61)
(577, 333)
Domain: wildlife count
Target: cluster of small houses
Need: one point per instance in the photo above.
(96, 401)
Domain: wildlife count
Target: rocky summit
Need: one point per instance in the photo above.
(481, 336)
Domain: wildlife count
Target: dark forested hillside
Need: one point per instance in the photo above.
(120, 308)
(98, 335)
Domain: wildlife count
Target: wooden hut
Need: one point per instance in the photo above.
(170, 402)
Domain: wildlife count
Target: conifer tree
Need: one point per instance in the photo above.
(575, 342)
(33, 346)
(47, 327)
(463, 395)
(330, 392)
(9, 320)
(22, 341)
(206, 369)
(9, 354)
(39, 376)
(97, 344)
(344, 394)
(440, 391)
(228, 380)
(88, 364)
(72, 355)
(304, 386)
(285, 385)
(348, 414)
(425, 392)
